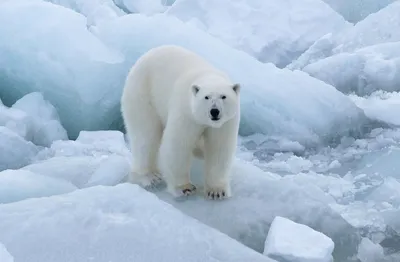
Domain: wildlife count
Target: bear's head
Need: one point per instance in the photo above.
(215, 102)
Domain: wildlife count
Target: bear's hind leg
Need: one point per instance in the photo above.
(144, 130)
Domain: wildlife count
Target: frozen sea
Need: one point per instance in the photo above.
(316, 176)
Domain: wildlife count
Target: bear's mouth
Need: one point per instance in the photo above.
(215, 118)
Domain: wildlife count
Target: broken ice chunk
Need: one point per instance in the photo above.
(368, 251)
(290, 241)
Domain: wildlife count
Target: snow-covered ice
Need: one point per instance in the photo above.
(335, 187)
(257, 198)
(65, 67)
(288, 164)
(380, 105)
(147, 7)
(77, 170)
(378, 28)
(94, 10)
(94, 158)
(102, 137)
(25, 128)
(17, 121)
(63, 198)
(383, 163)
(366, 217)
(15, 151)
(101, 10)
(4, 255)
(367, 195)
(290, 241)
(272, 31)
(363, 72)
(34, 119)
(122, 223)
(320, 49)
(116, 165)
(89, 143)
(391, 241)
(388, 191)
(16, 185)
(46, 123)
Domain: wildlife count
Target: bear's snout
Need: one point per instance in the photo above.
(214, 114)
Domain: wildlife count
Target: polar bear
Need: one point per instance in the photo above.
(175, 105)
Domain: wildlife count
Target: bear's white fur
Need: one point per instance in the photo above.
(167, 105)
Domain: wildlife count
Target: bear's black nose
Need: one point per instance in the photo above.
(214, 113)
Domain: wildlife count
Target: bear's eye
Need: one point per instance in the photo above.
(206, 97)
(223, 97)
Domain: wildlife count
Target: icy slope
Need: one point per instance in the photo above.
(272, 31)
(31, 123)
(94, 10)
(65, 66)
(364, 71)
(16, 185)
(378, 28)
(383, 106)
(15, 151)
(258, 196)
(122, 223)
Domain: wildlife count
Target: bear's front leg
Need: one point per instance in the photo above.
(175, 156)
(220, 146)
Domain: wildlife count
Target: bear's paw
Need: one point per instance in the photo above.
(217, 193)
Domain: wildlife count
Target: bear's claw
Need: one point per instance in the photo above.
(187, 189)
(216, 194)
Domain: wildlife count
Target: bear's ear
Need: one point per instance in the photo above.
(236, 88)
(195, 89)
